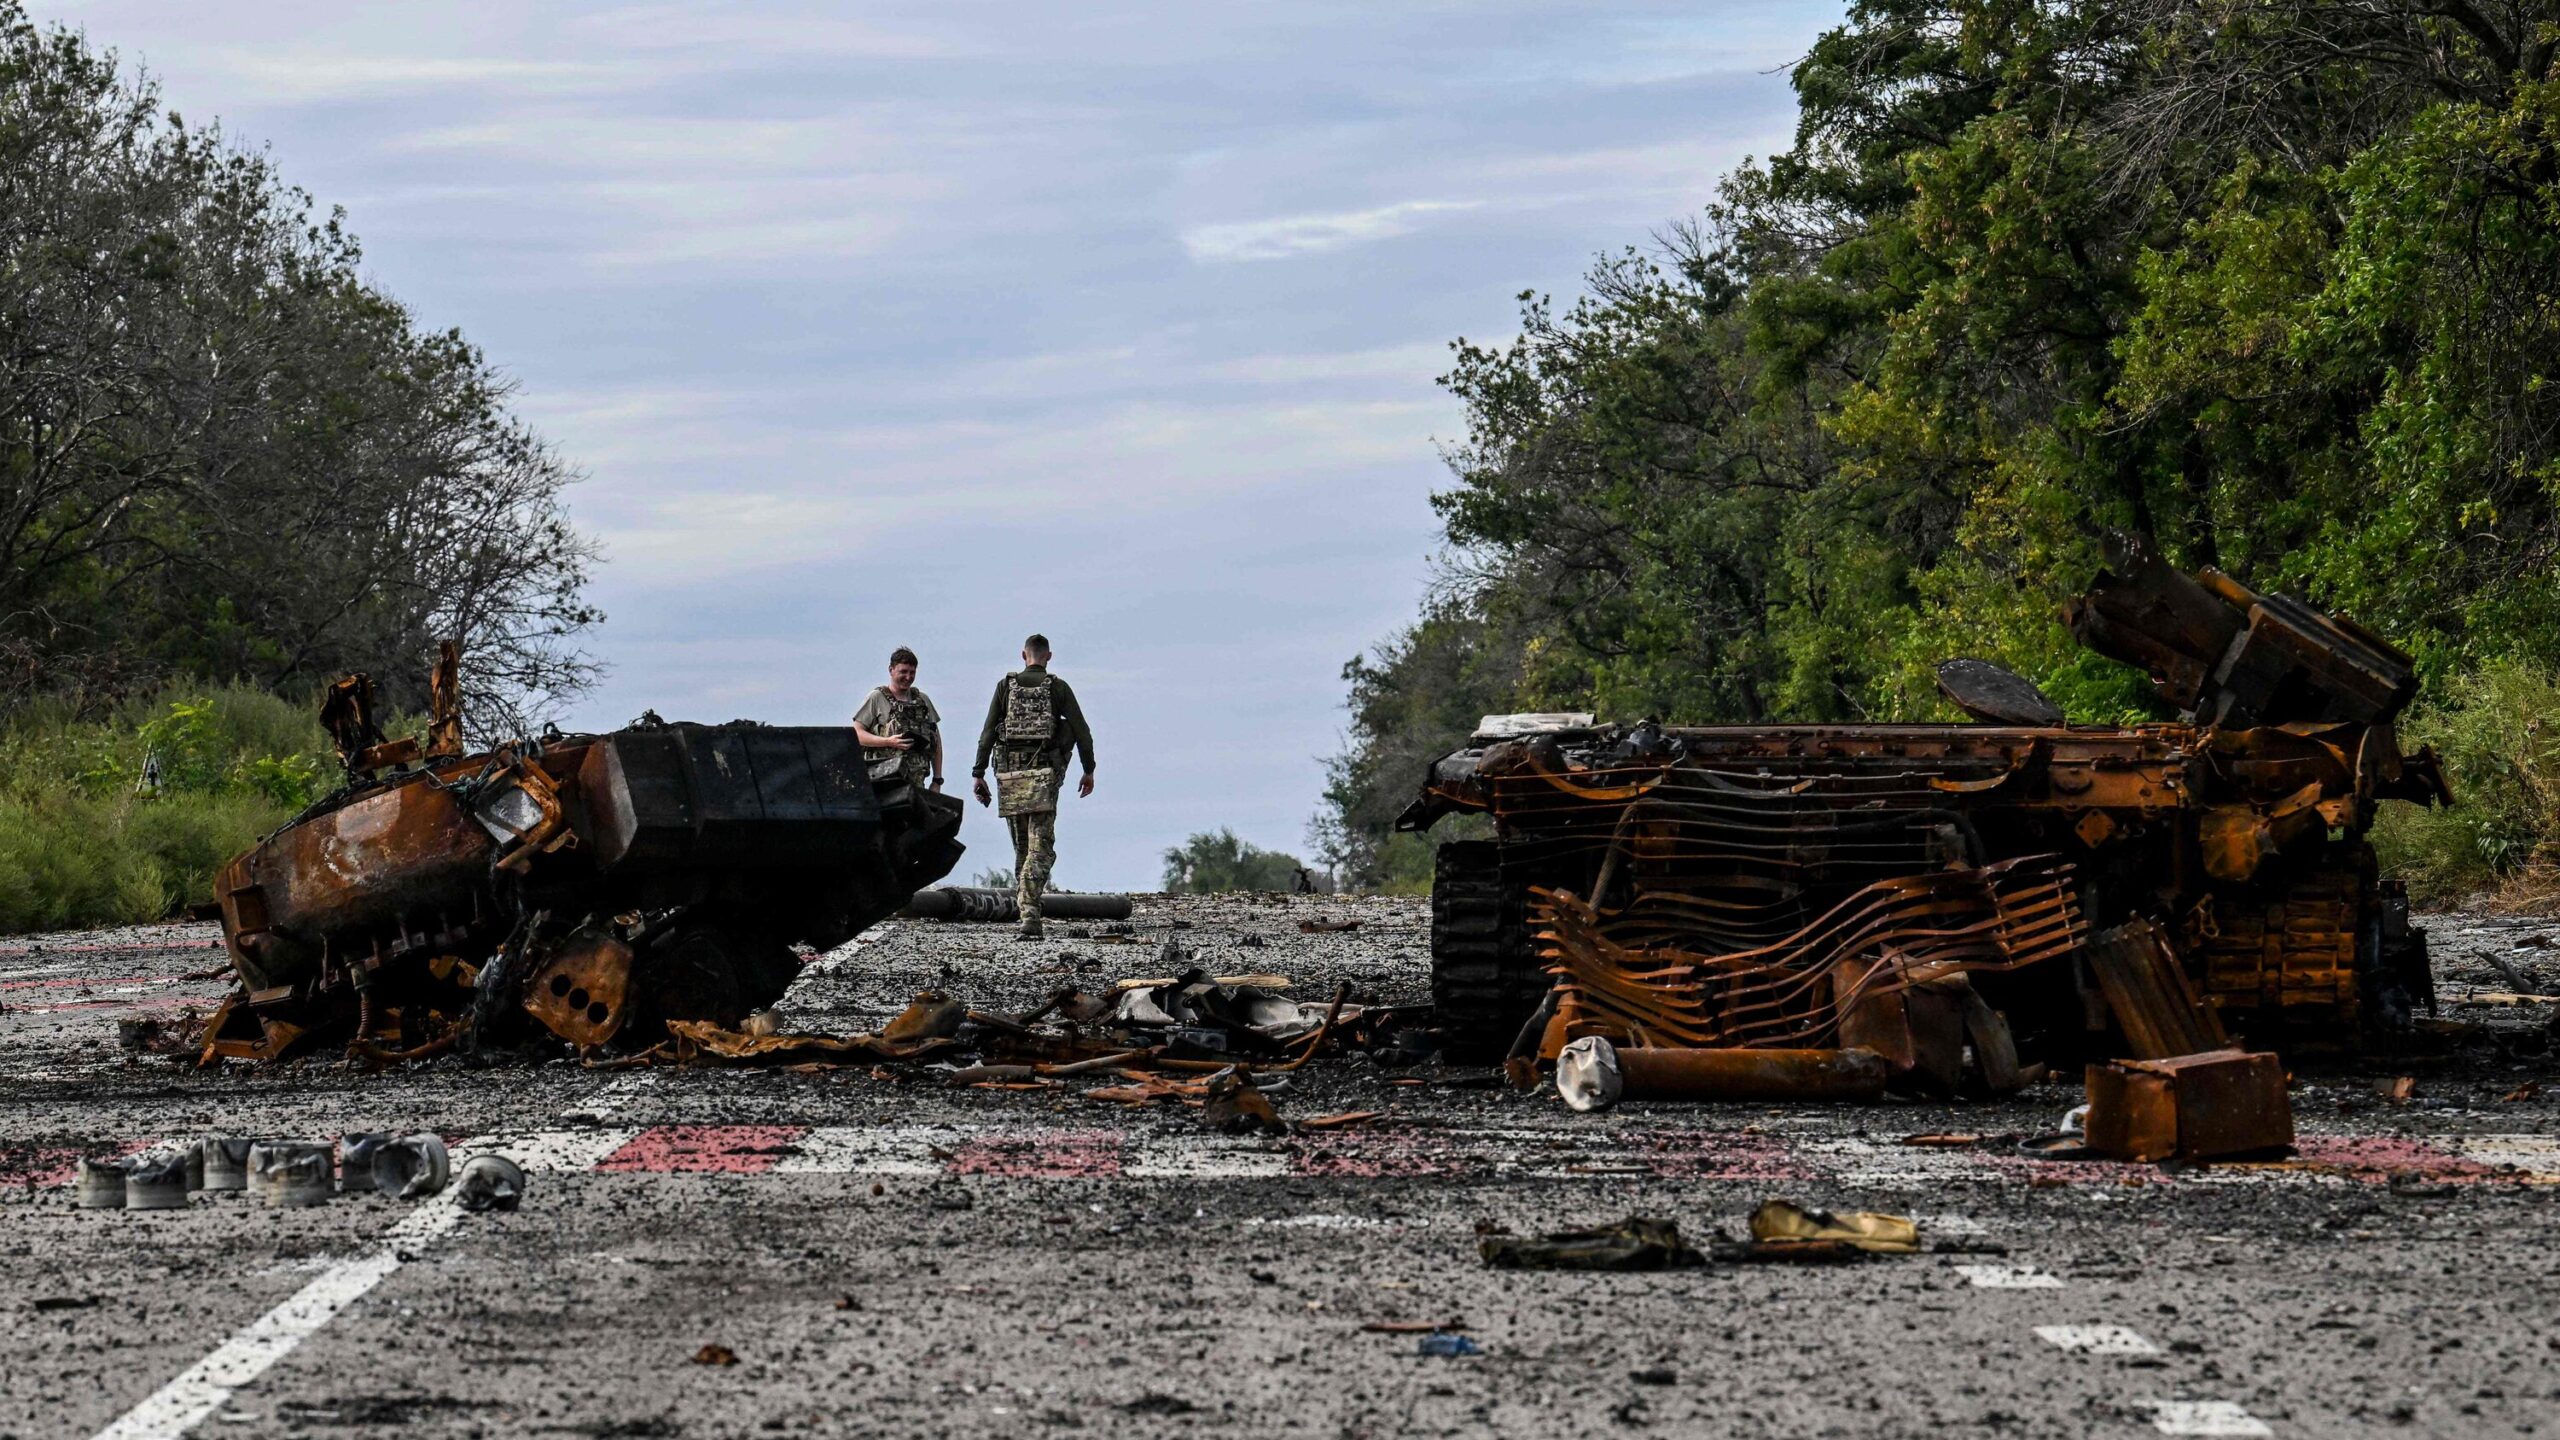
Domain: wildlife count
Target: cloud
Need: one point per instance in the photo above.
(1278, 239)
(307, 77)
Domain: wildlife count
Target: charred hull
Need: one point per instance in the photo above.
(595, 886)
(1812, 885)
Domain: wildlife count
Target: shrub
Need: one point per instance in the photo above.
(2494, 730)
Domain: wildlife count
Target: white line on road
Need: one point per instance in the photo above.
(2097, 1339)
(183, 1403)
(2204, 1417)
(2009, 1277)
(872, 1150)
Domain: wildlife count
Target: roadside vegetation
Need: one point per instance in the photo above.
(126, 817)
(231, 469)
(2265, 281)
(1214, 862)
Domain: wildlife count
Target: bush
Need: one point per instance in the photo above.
(2493, 728)
(85, 841)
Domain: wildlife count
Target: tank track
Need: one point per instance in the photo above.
(1485, 976)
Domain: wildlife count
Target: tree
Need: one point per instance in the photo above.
(225, 456)
(1214, 862)
(2267, 281)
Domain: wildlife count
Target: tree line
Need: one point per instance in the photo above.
(2275, 283)
(224, 456)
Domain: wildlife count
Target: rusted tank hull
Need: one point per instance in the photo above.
(1675, 881)
(660, 872)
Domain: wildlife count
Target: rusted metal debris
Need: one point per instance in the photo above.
(604, 888)
(1929, 892)
(2196, 1107)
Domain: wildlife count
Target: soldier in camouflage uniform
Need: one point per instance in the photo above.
(900, 709)
(1032, 725)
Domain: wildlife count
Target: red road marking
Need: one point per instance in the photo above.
(2375, 1159)
(38, 1165)
(706, 1149)
(1042, 1154)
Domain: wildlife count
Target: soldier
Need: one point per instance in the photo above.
(900, 709)
(1032, 724)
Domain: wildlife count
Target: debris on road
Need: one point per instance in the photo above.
(2216, 1105)
(489, 1182)
(1446, 1346)
(1592, 1074)
(1636, 1243)
(1236, 1106)
(412, 1168)
(1784, 1223)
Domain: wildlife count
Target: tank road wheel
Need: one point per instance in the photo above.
(705, 970)
(1485, 976)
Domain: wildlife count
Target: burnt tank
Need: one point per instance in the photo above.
(1739, 885)
(595, 886)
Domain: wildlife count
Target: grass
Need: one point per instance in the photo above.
(85, 840)
(2500, 843)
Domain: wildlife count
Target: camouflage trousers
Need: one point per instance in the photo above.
(1035, 854)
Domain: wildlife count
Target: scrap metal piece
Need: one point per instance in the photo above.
(2154, 1003)
(102, 1184)
(1784, 1221)
(226, 1162)
(412, 1167)
(1592, 1074)
(291, 1175)
(157, 1182)
(1636, 1243)
(489, 1182)
(2196, 1107)
(581, 991)
(1995, 694)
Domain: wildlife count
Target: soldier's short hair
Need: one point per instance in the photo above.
(904, 656)
(1037, 644)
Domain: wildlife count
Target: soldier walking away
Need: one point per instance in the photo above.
(1032, 725)
(900, 709)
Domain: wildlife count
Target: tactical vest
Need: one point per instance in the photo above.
(1030, 711)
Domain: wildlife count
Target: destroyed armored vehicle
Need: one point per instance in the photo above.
(1875, 885)
(600, 885)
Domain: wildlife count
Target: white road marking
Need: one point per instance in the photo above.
(2009, 1277)
(872, 1150)
(2097, 1339)
(2537, 1155)
(1864, 1162)
(185, 1402)
(2204, 1417)
(1949, 1225)
(1202, 1158)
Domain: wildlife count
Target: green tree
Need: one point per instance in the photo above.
(1213, 862)
(223, 454)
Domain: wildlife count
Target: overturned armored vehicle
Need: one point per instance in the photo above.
(600, 885)
(2018, 887)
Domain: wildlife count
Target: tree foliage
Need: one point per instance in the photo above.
(1216, 861)
(2273, 282)
(223, 454)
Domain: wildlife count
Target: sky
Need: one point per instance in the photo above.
(938, 323)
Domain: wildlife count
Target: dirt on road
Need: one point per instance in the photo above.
(722, 1252)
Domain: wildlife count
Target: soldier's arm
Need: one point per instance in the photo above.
(1073, 714)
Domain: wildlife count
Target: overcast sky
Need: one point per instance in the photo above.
(936, 323)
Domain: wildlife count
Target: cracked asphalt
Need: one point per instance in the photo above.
(747, 1253)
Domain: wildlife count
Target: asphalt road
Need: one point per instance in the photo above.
(901, 1259)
